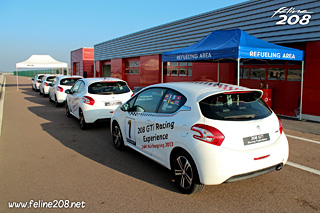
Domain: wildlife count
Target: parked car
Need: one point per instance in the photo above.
(58, 87)
(206, 133)
(95, 99)
(46, 82)
(36, 81)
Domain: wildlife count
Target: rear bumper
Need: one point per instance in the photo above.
(255, 173)
(93, 114)
(61, 97)
(46, 90)
(218, 165)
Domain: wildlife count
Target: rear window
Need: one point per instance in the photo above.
(68, 81)
(108, 88)
(234, 106)
(51, 78)
(40, 77)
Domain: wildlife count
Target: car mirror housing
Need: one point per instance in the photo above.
(67, 91)
(125, 107)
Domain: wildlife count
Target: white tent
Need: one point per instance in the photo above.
(39, 61)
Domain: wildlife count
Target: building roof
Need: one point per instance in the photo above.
(254, 17)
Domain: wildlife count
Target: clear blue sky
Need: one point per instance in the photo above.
(43, 27)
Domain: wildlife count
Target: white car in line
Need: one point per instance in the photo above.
(36, 81)
(45, 84)
(95, 99)
(59, 85)
(205, 132)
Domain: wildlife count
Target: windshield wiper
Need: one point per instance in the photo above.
(240, 116)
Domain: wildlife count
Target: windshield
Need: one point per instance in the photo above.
(108, 88)
(234, 106)
(68, 81)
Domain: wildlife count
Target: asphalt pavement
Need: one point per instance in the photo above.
(44, 156)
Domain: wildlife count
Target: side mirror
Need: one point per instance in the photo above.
(68, 91)
(125, 107)
(50, 84)
(32, 79)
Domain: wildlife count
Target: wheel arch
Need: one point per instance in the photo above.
(176, 150)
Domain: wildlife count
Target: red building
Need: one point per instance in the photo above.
(136, 58)
(82, 60)
(286, 87)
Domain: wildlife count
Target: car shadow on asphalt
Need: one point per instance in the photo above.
(96, 143)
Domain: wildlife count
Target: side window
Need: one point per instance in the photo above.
(76, 87)
(171, 102)
(81, 87)
(149, 100)
(54, 82)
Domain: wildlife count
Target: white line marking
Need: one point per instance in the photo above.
(308, 169)
(2, 102)
(304, 139)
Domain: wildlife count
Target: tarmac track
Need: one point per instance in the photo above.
(45, 156)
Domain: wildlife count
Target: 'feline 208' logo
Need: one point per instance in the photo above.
(292, 16)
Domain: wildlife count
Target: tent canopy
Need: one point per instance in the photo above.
(41, 61)
(232, 44)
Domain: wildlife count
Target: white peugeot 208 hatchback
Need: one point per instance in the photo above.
(46, 82)
(207, 133)
(58, 87)
(36, 81)
(94, 99)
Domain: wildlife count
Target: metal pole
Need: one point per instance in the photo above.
(238, 71)
(218, 72)
(302, 77)
(162, 72)
(17, 78)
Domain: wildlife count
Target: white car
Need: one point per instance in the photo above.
(45, 84)
(207, 133)
(36, 81)
(95, 99)
(58, 87)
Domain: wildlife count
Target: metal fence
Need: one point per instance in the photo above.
(32, 73)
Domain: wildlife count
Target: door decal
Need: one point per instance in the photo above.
(130, 130)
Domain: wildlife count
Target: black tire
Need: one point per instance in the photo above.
(83, 124)
(44, 94)
(185, 174)
(50, 100)
(56, 101)
(40, 93)
(68, 111)
(117, 137)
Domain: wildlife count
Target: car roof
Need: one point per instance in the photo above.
(69, 76)
(93, 80)
(201, 90)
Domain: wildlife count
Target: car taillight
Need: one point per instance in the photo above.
(280, 126)
(208, 134)
(88, 100)
(46, 84)
(60, 89)
(39, 81)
